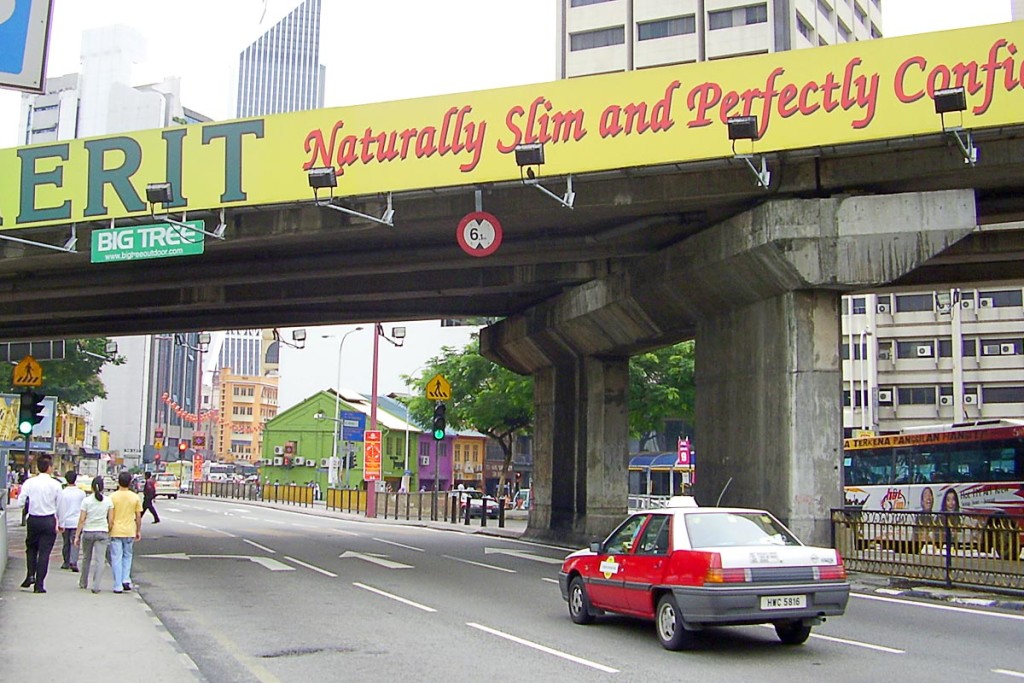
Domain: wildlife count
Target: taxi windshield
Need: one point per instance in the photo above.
(728, 529)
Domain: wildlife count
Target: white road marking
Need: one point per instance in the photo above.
(947, 608)
(1008, 672)
(174, 509)
(303, 526)
(380, 561)
(855, 643)
(266, 562)
(554, 581)
(544, 648)
(481, 564)
(400, 545)
(342, 531)
(393, 597)
(309, 566)
(200, 526)
(522, 555)
(261, 547)
(223, 532)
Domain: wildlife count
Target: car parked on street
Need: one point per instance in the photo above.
(686, 567)
(477, 503)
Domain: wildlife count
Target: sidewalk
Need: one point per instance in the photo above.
(72, 634)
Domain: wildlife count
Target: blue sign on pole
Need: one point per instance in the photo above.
(24, 31)
(353, 424)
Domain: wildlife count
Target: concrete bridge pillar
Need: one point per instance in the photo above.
(580, 447)
(768, 410)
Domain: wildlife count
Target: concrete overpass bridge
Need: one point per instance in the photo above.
(670, 237)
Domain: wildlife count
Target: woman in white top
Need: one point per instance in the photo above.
(93, 534)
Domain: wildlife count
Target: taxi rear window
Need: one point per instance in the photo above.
(727, 529)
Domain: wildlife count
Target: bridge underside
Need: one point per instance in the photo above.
(649, 256)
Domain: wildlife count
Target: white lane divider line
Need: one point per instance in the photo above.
(215, 529)
(199, 526)
(947, 608)
(343, 532)
(554, 581)
(1008, 672)
(309, 566)
(400, 545)
(480, 564)
(543, 648)
(854, 643)
(392, 596)
(261, 547)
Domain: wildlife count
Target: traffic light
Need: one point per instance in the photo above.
(29, 412)
(182, 447)
(439, 420)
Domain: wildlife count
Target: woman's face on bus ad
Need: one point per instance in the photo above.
(950, 502)
(927, 499)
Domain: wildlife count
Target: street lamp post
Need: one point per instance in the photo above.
(337, 403)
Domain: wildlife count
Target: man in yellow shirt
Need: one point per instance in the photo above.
(127, 529)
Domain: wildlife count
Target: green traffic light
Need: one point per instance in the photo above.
(438, 434)
(25, 427)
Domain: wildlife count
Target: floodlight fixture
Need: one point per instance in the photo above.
(745, 128)
(163, 193)
(397, 337)
(326, 177)
(529, 159)
(298, 338)
(952, 100)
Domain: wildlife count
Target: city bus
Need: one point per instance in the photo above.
(972, 467)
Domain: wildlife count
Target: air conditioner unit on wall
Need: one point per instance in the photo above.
(985, 303)
(971, 399)
(924, 352)
(278, 450)
(967, 303)
(325, 462)
(990, 349)
(884, 309)
(425, 460)
(278, 461)
(945, 400)
(885, 395)
(1007, 349)
(298, 461)
(884, 354)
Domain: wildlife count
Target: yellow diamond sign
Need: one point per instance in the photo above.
(438, 388)
(27, 373)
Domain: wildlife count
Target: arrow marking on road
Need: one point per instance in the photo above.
(387, 564)
(522, 555)
(269, 563)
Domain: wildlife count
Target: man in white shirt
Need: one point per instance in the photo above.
(69, 506)
(42, 491)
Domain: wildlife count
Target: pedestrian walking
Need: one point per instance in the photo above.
(92, 534)
(41, 534)
(149, 496)
(125, 530)
(69, 506)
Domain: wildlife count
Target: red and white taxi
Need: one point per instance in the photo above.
(687, 567)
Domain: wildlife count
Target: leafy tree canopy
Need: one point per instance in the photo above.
(661, 385)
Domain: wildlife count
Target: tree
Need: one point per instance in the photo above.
(75, 379)
(661, 384)
(485, 396)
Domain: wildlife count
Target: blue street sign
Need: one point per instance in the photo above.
(24, 29)
(353, 424)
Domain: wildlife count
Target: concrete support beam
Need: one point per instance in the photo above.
(769, 409)
(580, 449)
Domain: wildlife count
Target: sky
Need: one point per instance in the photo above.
(374, 52)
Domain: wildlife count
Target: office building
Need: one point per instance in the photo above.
(601, 36)
(244, 403)
(281, 71)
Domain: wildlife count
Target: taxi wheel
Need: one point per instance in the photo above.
(668, 622)
(792, 632)
(579, 603)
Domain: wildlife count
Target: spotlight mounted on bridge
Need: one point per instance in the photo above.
(326, 177)
(951, 100)
(298, 338)
(163, 193)
(745, 128)
(529, 159)
(203, 338)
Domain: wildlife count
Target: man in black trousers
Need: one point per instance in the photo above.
(41, 533)
(149, 495)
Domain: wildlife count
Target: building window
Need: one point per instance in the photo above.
(584, 3)
(860, 351)
(720, 19)
(756, 14)
(999, 298)
(861, 396)
(805, 29)
(916, 396)
(844, 31)
(915, 349)
(1002, 394)
(910, 303)
(740, 16)
(859, 305)
(875, 33)
(678, 26)
(861, 15)
(825, 8)
(604, 37)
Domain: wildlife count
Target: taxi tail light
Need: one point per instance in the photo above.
(836, 572)
(716, 574)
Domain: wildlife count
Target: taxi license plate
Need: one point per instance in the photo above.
(783, 601)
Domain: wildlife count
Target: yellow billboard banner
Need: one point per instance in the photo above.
(826, 96)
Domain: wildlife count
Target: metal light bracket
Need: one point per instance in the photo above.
(69, 245)
(218, 232)
(762, 175)
(567, 200)
(964, 141)
(387, 218)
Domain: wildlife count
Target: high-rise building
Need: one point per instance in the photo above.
(281, 71)
(1017, 9)
(244, 404)
(601, 36)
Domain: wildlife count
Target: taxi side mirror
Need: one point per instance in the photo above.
(595, 547)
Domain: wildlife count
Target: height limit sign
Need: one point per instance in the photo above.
(479, 234)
